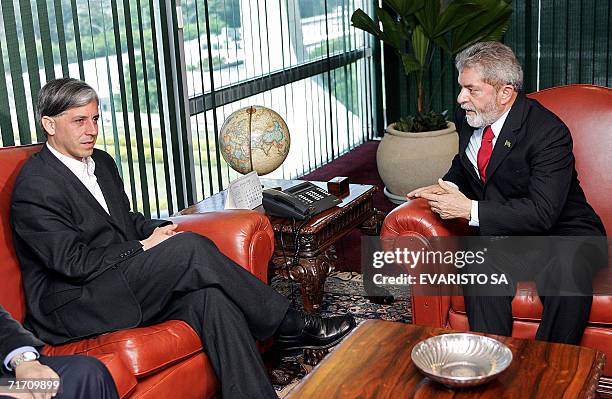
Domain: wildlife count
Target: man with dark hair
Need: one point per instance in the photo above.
(91, 266)
(80, 376)
(514, 175)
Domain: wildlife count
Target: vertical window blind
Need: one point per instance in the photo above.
(300, 58)
(169, 72)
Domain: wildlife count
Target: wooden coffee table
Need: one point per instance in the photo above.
(374, 362)
(316, 253)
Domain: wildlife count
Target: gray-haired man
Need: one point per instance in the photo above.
(514, 175)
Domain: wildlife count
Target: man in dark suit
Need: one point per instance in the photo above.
(514, 175)
(80, 376)
(91, 266)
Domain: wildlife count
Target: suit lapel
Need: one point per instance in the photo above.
(63, 170)
(507, 138)
(464, 139)
(114, 199)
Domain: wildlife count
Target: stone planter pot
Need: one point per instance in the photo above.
(409, 160)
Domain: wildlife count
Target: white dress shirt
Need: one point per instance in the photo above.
(84, 171)
(18, 351)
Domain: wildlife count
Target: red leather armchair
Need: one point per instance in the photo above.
(161, 361)
(587, 111)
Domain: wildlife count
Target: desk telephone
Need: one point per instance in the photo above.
(299, 202)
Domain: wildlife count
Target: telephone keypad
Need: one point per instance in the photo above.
(304, 199)
(313, 196)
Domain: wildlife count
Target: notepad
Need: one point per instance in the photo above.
(244, 192)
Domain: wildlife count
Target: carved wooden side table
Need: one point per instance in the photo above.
(314, 251)
(308, 257)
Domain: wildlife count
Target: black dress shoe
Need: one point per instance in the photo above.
(318, 333)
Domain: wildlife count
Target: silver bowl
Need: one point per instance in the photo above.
(461, 360)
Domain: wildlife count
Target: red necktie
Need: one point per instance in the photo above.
(484, 154)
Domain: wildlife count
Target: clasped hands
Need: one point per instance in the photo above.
(445, 200)
(160, 234)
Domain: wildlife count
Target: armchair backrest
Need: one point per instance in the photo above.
(11, 292)
(587, 112)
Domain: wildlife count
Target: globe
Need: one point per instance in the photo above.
(254, 138)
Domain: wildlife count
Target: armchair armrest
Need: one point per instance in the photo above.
(415, 219)
(244, 236)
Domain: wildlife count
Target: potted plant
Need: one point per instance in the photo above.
(425, 143)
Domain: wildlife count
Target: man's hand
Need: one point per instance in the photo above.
(160, 234)
(34, 370)
(450, 203)
(418, 192)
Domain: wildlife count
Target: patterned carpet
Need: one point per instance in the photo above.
(343, 294)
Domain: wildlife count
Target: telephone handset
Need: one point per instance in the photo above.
(299, 202)
(278, 203)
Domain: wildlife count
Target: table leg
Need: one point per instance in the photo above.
(312, 357)
(310, 273)
(373, 224)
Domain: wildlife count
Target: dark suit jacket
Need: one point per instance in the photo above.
(532, 186)
(71, 250)
(13, 336)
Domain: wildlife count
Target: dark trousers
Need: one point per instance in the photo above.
(187, 278)
(81, 377)
(563, 272)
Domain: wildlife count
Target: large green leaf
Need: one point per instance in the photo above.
(442, 43)
(488, 27)
(361, 20)
(410, 64)
(428, 16)
(458, 13)
(392, 33)
(420, 44)
(460, 24)
(497, 32)
(404, 8)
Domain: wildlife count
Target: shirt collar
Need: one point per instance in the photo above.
(499, 124)
(84, 167)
